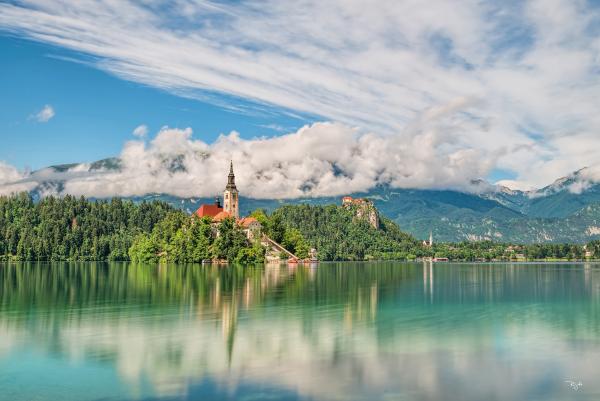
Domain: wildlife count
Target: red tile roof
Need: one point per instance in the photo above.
(208, 210)
(222, 215)
(246, 221)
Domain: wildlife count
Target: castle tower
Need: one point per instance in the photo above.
(230, 195)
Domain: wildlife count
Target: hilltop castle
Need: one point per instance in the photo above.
(364, 209)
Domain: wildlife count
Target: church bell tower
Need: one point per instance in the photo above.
(230, 195)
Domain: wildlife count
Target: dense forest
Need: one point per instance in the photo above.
(338, 234)
(488, 250)
(180, 238)
(76, 229)
(72, 228)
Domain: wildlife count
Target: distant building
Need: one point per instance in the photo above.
(430, 242)
(365, 209)
(231, 208)
(251, 227)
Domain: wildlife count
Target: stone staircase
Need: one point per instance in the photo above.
(274, 250)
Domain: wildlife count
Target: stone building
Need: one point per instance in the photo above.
(251, 227)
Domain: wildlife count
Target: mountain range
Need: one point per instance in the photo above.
(568, 210)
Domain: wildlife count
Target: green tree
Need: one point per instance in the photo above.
(230, 240)
(294, 242)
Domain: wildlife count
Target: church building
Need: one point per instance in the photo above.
(230, 208)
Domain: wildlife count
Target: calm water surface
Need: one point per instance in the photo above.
(377, 331)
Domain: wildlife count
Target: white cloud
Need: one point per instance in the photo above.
(141, 131)
(317, 160)
(8, 173)
(579, 186)
(10, 180)
(527, 70)
(276, 127)
(44, 115)
(515, 185)
(591, 173)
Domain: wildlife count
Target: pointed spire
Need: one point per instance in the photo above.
(231, 177)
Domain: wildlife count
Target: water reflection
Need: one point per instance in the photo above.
(336, 332)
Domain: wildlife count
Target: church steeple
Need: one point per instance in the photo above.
(231, 177)
(230, 195)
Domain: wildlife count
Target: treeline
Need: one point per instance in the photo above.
(488, 251)
(76, 229)
(69, 228)
(179, 238)
(338, 234)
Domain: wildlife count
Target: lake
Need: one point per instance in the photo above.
(339, 331)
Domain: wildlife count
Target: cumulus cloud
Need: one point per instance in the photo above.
(321, 159)
(8, 173)
(528, 70)
(583, 179)
(579, 187)
(141, 131)
(10, 180)
(577, 182)
(44, 115)
(515, 185)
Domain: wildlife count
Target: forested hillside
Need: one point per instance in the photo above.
(568, 210)
(339, 235)
(76, 229)
(71, 228)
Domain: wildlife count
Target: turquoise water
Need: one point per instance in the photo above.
(350, 331)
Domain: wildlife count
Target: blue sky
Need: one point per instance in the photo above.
(96, 112)
(327, 97)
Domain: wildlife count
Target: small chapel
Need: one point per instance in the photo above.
(231, 208)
